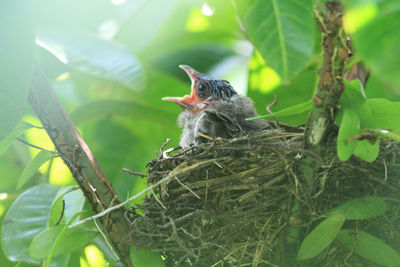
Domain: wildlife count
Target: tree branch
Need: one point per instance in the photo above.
(81, 162)
(330, 86)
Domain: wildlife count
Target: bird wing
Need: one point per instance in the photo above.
(223, 121)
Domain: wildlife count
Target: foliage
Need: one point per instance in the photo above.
(110, 62)
(330, 228)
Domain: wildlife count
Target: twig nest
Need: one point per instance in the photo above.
(232, 202)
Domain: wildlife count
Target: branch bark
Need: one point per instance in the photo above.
(81, 162)
(330, 86)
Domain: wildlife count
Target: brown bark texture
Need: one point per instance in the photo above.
(330, 86)
(77, 156)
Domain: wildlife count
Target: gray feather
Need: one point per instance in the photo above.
(223, 118)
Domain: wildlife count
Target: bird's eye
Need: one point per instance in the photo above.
(201, 88)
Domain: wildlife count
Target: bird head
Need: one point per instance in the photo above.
(204, 90)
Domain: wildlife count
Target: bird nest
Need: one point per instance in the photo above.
(236, 202)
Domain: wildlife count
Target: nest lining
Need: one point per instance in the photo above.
(231, 202)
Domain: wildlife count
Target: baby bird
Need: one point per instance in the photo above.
(213, 109)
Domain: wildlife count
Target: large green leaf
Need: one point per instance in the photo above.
(353, 96)
(30, 169)
(293, 110)
(264, 86)
(349, 127)
(361, 208)
(68, 202)
(16, 57)
(373, 112)
(283, 32)
(9, 139)
(377, 43)
(367, 151)
(321, 237)
(95, 56)
(369, 247)
(383, 114)
(67, 240)
(26, 217)
(144, 258)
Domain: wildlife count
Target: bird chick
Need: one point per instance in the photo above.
(213, 109)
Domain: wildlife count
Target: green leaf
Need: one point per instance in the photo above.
(27, 216)
(9, 139)
(144, 258)
(369, 247)
(16, 57)
(95, 56)
(293, 110)
(30, 169)
(321, 237)
(367, 151)
(57, 215)
(361, 208)
(283, 32)
(74, 202)
(353, 96)
(380, 113)
(69, 201)
(73, 239)
(377, 44)
(349, 127)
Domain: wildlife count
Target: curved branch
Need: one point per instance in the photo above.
(81, 162)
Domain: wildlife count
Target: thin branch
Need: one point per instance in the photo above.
(268, 108)
(134, 173)
(37, 147)
(185, 186)
(77, 156)
(163, 146)
(101, 214)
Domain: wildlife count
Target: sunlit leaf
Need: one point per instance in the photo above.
(27, 216)
(293, 110)
(95, 56)
(73, 239)
(369, 247)
(375, 88)
(367, 151)
(16, 57)
(42, 157)
(353, 95)
(74, 202)
(56, 214)
(283, 32)
(68, 202)
(9, 139)
(321, 237)
(361, 208)
(385, 114)
(349, 127)
(144, 258)
(377, 43)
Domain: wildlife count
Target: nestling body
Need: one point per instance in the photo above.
(214, 109)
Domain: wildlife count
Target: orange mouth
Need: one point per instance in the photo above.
(192, 101)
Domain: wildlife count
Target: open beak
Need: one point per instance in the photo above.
(191, 101)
